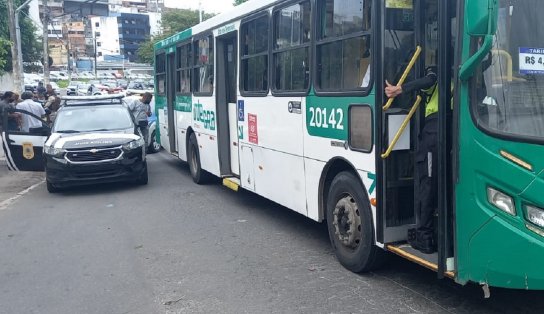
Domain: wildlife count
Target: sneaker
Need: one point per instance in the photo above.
(424, 245)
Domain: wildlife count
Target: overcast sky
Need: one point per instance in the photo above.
(216, 6)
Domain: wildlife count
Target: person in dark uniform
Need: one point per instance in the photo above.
(425, 159)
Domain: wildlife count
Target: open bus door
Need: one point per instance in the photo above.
(170, 103)
(408, 25)
(226, 106)
(24, 148)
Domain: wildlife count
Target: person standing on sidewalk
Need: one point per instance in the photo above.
(7, 101)
(33, 107)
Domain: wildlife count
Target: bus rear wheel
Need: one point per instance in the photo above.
(349, 221)
(199, 175)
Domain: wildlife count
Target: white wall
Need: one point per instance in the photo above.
(109, 35)
(6, 82)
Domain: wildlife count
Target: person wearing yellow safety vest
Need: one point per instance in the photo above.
(422, 239)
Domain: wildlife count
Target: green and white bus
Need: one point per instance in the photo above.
(285, 99)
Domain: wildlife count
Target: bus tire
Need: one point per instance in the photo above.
(349, 221)
(199, 175)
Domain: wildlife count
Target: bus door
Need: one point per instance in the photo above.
(417, 39)
(399, 42)
(227, 117)
(170, 101)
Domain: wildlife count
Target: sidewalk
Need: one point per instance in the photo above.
(12, 182)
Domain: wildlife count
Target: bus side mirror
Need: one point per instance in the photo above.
(481, 17)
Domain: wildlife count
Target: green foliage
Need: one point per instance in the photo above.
(63, 83)
(173, 21)
(4, 52)
(31, 46)
(237, 2)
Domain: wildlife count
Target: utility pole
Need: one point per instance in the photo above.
(95, 59)
(18, 33)
(45, 23)
(200, 11)
(69, 61)
(17, 73)
(15, 37)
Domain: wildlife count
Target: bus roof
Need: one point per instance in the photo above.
(229, 16)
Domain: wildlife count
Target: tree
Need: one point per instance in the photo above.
(237, 2)
(173, 21)
(31, 46)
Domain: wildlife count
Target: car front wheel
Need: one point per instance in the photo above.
(154, 146)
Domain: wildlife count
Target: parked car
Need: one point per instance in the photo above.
(82, 89)
(94, 140)
(72, 88)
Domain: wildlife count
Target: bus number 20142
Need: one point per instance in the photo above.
(323, 118)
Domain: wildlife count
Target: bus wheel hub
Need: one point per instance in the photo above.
(347, 222)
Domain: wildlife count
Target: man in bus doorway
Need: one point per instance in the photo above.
(425, 158)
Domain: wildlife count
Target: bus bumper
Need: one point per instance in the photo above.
(502, 255)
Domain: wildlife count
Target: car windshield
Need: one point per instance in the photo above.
(75, 119)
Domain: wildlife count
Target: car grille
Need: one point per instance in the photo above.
(94, 155)
(97, 174)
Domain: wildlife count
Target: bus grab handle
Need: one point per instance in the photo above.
(404, 75)
(402, 127)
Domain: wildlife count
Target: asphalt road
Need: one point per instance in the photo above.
(176, 247)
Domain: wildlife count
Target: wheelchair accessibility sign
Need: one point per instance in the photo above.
(241, 110)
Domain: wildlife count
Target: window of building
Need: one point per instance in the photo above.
(183, 69)
(343, 45)
(291, 49)
(97, 34)
(203, 69)
(100, 54)
(254, 60)
(98, 44)
(97, 24)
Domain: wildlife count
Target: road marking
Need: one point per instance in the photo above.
(9, 201)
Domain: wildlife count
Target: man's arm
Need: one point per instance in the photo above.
(425, 82)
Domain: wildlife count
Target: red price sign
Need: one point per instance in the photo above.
(252, 128)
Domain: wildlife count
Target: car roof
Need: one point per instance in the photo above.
(93, 100)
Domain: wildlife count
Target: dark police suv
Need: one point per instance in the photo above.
(93, 140)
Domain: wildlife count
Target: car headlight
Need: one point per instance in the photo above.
(501, 201)
(535, 215)
(53, 151)
(134, 144)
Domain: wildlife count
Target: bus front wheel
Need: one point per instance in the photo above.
(199, 175)
(349, 221)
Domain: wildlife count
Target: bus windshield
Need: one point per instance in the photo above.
(508, 92)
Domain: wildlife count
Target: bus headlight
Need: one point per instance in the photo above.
(501, 201)
(535, 215)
